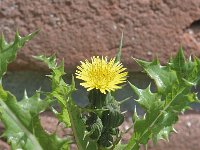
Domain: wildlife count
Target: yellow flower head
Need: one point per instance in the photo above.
(101, 74)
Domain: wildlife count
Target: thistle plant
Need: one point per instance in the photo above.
(96, 126)
(101, 77)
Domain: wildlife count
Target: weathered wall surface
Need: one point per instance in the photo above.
(79, 29)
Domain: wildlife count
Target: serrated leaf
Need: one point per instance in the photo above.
(163, 134)
(159, 73)
(8, 51)
(50, 61)
(58, 87)
(178, 62)
(188, 71)
(70, 113)
(173, 95)
(147, 99)
(34, 104)
(22, 124)
(135, 116)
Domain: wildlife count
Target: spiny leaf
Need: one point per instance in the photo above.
(159, 73)
(147, 99)
(50, 61)
(8, 51)
(163, 134)
(34, 104)
(60, 90)
(187, 70)
(173, 95)
(178, 62)
(22, 124)
(135, 116)
(70, 113)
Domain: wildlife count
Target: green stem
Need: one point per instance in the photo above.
(78, 127)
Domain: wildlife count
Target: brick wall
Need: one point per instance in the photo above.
(78, 29)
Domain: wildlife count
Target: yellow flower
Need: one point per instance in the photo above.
(101, 74)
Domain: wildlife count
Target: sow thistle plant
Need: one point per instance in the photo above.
(100, 78)
(101, 74)
(96, 126)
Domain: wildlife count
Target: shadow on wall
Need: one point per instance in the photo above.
(17, 82)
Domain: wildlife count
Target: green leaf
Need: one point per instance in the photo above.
(147, 99)
(187, 71)
(178, 63)
(174, 82)
(159, 73)
(8, 51)
(163, 134)
(70, 113)
(22, 124)
(60, 90)
(119, 52)
(83, 142)
(120, 146)
(34, 104)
